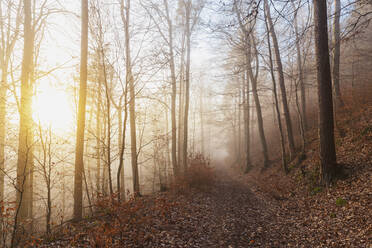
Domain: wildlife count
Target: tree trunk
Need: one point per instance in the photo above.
(121, 140)
(187, 85)
(327, 151)
(181, 105)
(3, 89)
(174, 92)
(281, 82)
(79, 152)
(132, 103)
(121, 185)
(7, 43)
(336, 53)
(257, 101)
(246, 109)
(108, 116)
(300, 71)
(202, 145)
(98, 128)
(277, 110)
(249, 44)
(25, 149)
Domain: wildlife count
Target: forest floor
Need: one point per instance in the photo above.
(258, 209)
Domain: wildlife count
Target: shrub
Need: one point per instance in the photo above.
(199, 174)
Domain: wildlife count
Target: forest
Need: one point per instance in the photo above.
(185, 123)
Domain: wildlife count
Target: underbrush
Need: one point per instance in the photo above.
(353, 138)
(137, 222)
(199, 175)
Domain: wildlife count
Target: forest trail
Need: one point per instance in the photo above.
(231, 215)
(232, 212)
(224, 214)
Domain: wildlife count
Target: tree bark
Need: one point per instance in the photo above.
(327, 151)
(79, 152)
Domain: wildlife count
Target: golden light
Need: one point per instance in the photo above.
(53, 107)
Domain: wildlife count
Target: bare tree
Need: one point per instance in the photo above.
(336, 53)
(276, 101)
(249, 46)
(125, 16)
(281, 81)
(327, 152)
(10, 34)
(169, 40)
(191, 20)
(79, 152)
(300, 68)
(25, 151)
(188, 6)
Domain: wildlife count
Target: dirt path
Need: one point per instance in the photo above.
(228, 215)
(231, 213)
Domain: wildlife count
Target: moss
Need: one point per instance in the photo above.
(340, 202)
(316, 190)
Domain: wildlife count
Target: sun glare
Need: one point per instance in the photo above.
(52, 107)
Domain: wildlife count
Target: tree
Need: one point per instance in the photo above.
(7, 43)
(246, 109)
(300, 69)
(79, 151)
(253, 79)
(169, 40)
(286, 112)
(125, 16)
(188, 6)
(25, 149)
(327, 151)
(249, 46)
(174, 91)
(277, 111)
(336, 53)
(191, 19)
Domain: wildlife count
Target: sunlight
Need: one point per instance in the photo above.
(52, 107)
